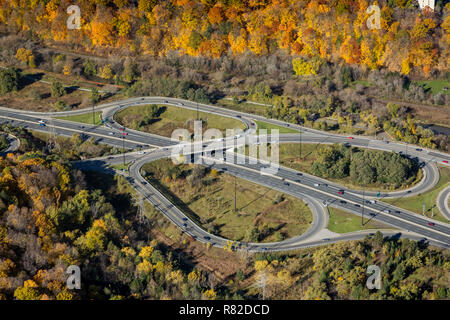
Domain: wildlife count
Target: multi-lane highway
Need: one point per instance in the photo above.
(314, 191)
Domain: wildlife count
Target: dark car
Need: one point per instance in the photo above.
(207, 238)
(185, 219)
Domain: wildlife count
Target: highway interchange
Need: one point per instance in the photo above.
(314, 191)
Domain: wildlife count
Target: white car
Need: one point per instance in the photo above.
(111, 133)
(141, 152)
(386, 211)
(41, 121)
(180, 104)
(316, 185)
(372, 201)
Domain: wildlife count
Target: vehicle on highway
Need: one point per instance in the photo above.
(418, 149)
(239, 116)
(343, 202)
(42, 124)
(41, 121)
(357, 205)
(387, 211)
(184, 225)
(207, 238)
(340, 192)
(111, 133)
(431, 224)
(351, 138)
(185, 219)
(326, 239)
(445, 161)
(141, 152)
(316, 185)
(286, 183)
(371, 201)
(180, 104)
(165, 101)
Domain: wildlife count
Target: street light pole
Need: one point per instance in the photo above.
(362, 214)
(300, 146)
(123, 148)
(197, 111)
(235, 200)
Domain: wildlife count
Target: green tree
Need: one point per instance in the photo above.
(9, 80)
(57, 90)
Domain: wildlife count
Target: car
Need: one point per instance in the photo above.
(326, 239)
(372, 201)
(286, 183)
(207, 238)
(141, 152)
(238, 136)
(41, 121)
(184, 225)
(372, 214)
(357, 205)
(418, 149)
(316, 185)
(431, 224)
(340, 192)
(81, 127)
(343, 202)
(185, 219)
(165, 101)
(180, 104)
(325, 185)
(351, 138)
(42, 124)
(298, 181)
(264, 248)
(445, 161)
(111, 133)
(287, 124)
(387, 211)
(239, 116)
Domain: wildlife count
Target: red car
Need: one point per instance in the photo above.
(445, 161)
(431, 224)
(351, 138)
(340, 192)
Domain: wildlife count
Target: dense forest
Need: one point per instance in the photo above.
(364, 166)
(409, 41)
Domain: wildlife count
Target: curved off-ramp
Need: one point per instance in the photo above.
(442, 202)
(13, 145)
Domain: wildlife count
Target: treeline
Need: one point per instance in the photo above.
(409, 270)
(51, 217)
(364, 166)
(409, 40)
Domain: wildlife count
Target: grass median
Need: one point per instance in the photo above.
(163, 120)
(207, 196)
(415, 203)
(84, 118)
